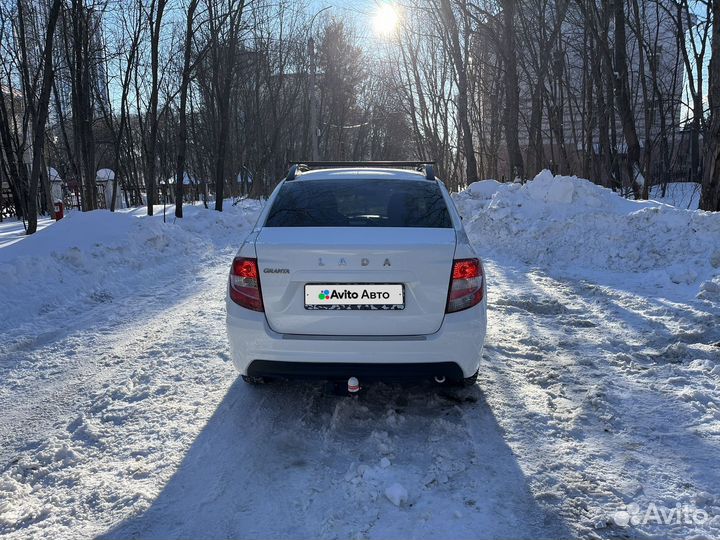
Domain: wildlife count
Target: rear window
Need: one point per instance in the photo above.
(359, 203)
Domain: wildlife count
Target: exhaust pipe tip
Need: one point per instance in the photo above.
(439, 379)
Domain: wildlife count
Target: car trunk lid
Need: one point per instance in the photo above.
(420, 259)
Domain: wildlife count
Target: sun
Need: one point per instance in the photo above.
(386, 20)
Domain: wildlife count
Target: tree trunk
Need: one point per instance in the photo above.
(512, 93)
(710, 197)
(82, 111)
(227, 54)
(46, 189)
(536, 151)
(181, 139)
(623, 100)
(152, 120)
(41, 115)
(462, 91)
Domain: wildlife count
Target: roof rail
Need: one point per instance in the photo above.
(295, 169)
(298, 166)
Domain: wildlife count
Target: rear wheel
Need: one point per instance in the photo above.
(254, 381)
(471, 380)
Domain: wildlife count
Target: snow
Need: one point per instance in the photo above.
(598, 398)
(54, 175)
(12, 230)
(104, 175)
(396, 494)
(97, 257)
(549, 189)
(680, 194)
(572, 223)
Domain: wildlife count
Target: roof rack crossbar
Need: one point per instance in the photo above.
(297, 166)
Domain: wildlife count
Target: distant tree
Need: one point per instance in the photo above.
(181, 135)
(38, 103)
(710, 198)
(693, 26)
(512, 90)
(342, 65)
(458, 47)
(155, 12)
(225, 23)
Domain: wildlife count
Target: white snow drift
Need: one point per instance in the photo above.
(572, 223)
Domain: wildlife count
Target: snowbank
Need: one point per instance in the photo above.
(102, 256)
(572, 223)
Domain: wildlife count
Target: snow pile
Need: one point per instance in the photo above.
(570, 222)
(100, 256)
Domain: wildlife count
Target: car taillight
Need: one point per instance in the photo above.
(245, 283)
(466, 285)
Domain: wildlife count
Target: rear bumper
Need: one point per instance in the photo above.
(258, 350)
(340, 370)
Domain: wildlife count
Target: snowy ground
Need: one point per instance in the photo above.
(12, 229)
(599, 395)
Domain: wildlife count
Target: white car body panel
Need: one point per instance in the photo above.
(459, 340)
(393, 255)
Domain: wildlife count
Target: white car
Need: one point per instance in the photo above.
(357, 270)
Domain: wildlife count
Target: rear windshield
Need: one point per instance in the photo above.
(359, 203)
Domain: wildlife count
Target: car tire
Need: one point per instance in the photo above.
(467, 382)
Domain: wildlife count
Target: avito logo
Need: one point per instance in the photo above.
(324, 295)
(352, 295)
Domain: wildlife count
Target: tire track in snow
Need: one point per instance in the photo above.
(567, 369)
(45, 381)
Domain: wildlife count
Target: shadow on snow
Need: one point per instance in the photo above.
(298, 461)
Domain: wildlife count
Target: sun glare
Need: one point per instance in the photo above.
(386, 20)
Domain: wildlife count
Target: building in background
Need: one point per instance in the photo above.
(577, 95)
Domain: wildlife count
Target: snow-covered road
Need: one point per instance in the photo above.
(122, 417)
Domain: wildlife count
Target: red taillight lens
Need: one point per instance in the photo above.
(466, 285)
(245, 283)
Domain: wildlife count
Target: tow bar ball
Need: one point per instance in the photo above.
(353, 385)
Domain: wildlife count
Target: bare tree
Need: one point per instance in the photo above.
(155, 14)
(225, 23)
(458, 45)
(512, 91)
(488, 88)
(39, 108)
(710, 198)
(181, 137)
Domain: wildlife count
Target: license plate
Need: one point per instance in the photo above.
(354, 296)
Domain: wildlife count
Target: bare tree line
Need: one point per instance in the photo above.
(210, 98)
(612, 91)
